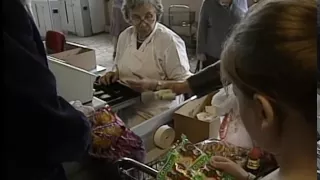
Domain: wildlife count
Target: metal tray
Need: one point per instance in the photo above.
(120, 96)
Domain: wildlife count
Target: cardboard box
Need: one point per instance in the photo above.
(186, 122)
(78, 56)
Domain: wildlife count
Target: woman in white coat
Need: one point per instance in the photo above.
(150, 51)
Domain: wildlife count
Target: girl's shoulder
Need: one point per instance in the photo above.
(272, 176)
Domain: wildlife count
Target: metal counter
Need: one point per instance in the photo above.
(147, 129)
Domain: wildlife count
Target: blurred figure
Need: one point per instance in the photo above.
(118, 24)
(28, 6)
(42, 130)
(217, 18)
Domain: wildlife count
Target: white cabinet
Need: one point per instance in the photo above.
(97, 15)
(80, 17)
(46, 15)
(67, 16)
(76, 17)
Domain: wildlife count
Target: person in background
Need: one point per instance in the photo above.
(199, 84)
(270, 58)
(42, 130)
(148, 50)
(28, 6)
(217, 17)
(118, 24)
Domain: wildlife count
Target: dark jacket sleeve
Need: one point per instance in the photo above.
(206, 81)
(202, 33)
(40, 126)
(318, 41)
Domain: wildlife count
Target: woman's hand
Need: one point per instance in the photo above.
(142, 85)
(230, 167)
(109, 78)
(151, 85)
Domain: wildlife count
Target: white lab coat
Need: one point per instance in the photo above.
(162, 56)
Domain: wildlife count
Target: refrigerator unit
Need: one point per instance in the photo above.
(46, 15)
(97, 15)
(76, 17)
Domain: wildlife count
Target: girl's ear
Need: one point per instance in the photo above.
(267, 112)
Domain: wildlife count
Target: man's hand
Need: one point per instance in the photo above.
(230, 167)
(178, 87)
(143, 84)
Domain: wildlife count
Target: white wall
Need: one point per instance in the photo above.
(44, 17)
(193, 4)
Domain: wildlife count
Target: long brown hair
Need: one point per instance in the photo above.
(273, 51)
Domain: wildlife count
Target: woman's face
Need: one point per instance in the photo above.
(256, 117)
(144, 18)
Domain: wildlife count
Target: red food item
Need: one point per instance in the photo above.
(112, 140)
(255, 153)
(224, 126)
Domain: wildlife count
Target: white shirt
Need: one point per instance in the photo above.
(162, 56)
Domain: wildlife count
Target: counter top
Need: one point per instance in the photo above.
(97, 103)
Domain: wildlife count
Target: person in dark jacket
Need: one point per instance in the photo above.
(42, 130)
(216, 20)
(200, 84)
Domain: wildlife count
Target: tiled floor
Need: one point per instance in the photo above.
(102, 44)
